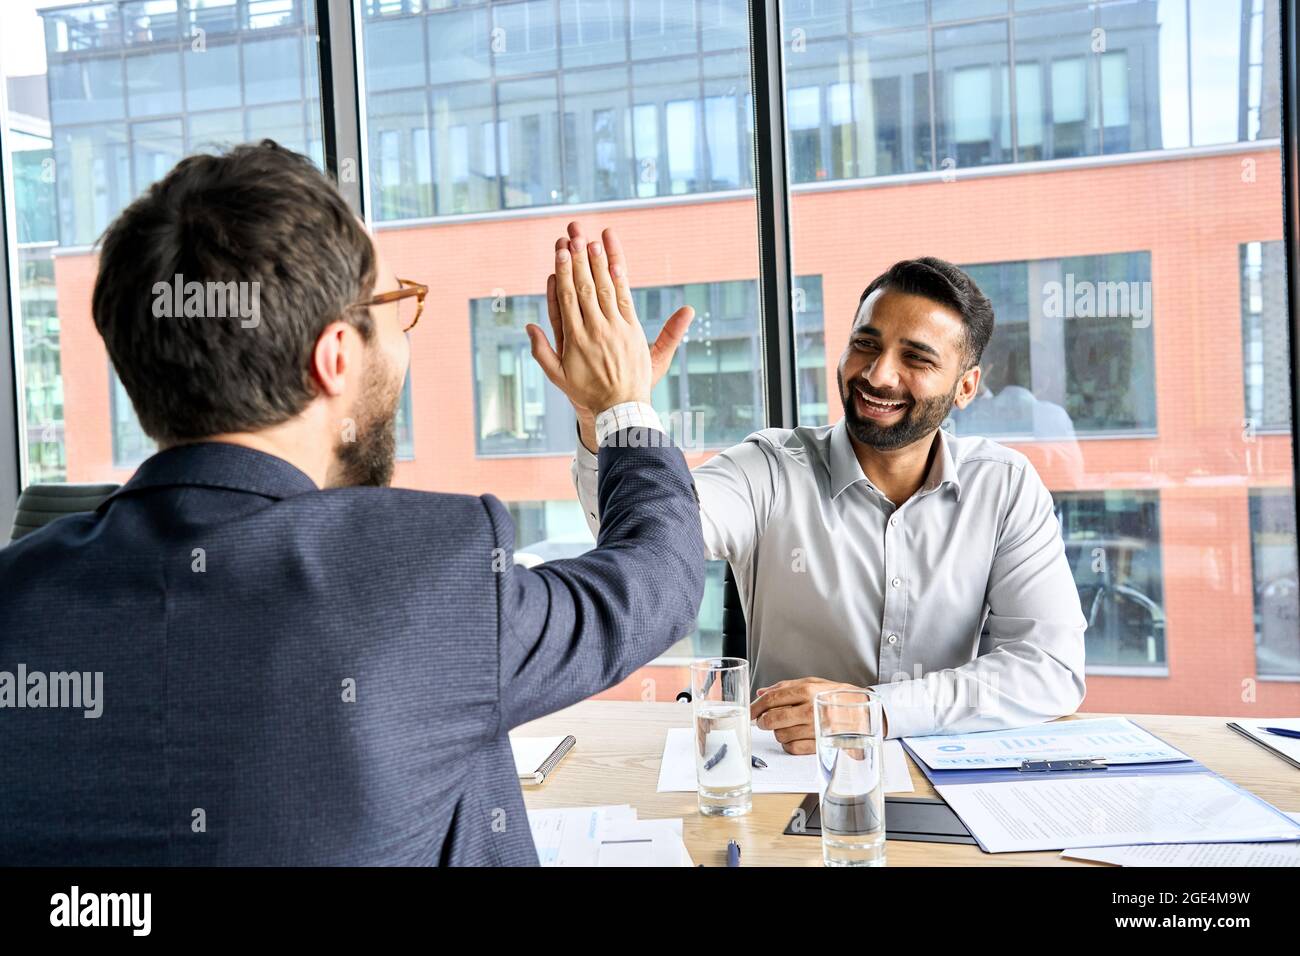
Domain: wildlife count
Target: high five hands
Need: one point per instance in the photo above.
(601, 356)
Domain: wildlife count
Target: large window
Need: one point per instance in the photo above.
(486, 124)
(1140, 359)
(1107, 170)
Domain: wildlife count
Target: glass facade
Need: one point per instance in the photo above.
(134, 87)
(482, 107)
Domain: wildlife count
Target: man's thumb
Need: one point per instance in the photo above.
(545, 355)
(661, 353)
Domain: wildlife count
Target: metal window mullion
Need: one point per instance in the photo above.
(775, 284)
(12, 442)
(1013, 107)
(340, 95)
(1291, 217)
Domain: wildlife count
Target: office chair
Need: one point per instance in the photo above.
(38, 505)
(735, 637)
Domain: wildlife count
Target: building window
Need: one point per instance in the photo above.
(1072, 352)
(1264, 336)
(1112, 541)
(1277, 588)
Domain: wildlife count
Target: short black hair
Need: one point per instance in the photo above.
(948, 285)
(259, 214)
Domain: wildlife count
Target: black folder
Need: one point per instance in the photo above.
(916, 819)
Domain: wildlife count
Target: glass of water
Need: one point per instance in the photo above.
(720, 706)
(850, 758)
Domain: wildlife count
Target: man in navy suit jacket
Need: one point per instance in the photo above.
(257, 653)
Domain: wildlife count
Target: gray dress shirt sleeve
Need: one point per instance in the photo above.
(737, 490)
(1030, 666)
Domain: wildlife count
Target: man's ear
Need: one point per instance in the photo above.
(330, 361)
(968, 387)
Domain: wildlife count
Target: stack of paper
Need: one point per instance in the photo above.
(606, 836)
(785, 773)
(1195, 854)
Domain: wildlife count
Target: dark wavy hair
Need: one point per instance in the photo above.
(948, 285)
(257, 214)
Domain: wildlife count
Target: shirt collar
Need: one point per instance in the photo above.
(846, 470)
(845, 467)
(218, 465)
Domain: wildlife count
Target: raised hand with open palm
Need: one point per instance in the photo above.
(611, 293)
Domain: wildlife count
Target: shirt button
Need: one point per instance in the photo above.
(897, 582)
(893, 522)
(893, 638)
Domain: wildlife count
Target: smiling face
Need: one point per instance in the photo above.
(904, 369)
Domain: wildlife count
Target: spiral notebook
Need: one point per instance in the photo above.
(537, 757)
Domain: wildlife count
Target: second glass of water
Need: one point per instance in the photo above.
(720, 705)
(850, 758)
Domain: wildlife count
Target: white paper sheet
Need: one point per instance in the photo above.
(643, 843)
(1117, 739)
(1288, 745)
(785, 772)
(1195, 854)
(606, 836)
(1113, 811)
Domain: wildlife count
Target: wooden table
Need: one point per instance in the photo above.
(620, 744)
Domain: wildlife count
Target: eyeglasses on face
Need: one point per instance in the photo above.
(408, 289)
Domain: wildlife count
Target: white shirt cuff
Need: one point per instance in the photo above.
(909, 711)
(625, 415)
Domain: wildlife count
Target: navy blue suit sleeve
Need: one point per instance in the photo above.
(571, 628)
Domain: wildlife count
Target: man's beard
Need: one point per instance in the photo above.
(920, 420)
(369, 458)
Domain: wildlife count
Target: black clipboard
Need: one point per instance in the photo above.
(915, 819)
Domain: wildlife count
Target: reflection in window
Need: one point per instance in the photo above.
(1265, 336)
(1112, 541)
(1277, 588)
(1072, 350)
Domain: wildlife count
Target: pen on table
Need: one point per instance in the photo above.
(757, 762)
(1283, 732)
(733, 853)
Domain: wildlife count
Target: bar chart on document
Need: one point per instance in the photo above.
(1115, 739)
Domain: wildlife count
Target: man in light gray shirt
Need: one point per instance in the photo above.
(881, 551)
